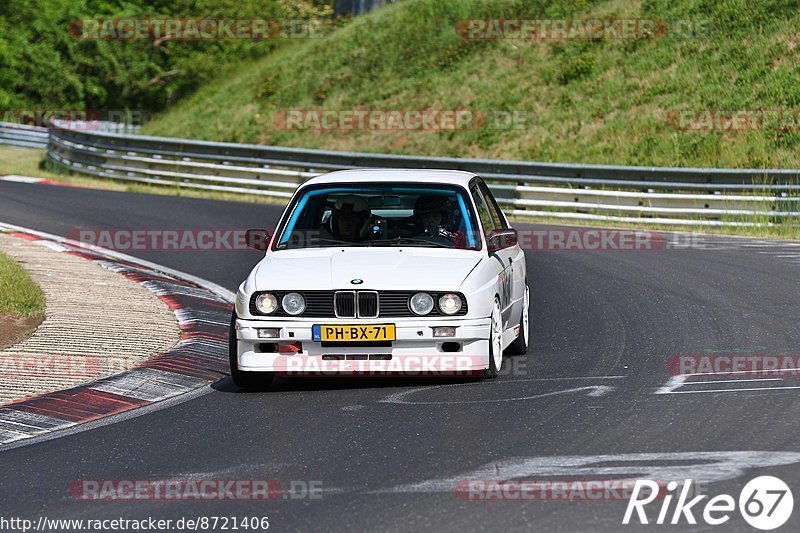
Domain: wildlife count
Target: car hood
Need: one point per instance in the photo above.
(378, 268)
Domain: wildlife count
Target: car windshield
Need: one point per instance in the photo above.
(380, 214)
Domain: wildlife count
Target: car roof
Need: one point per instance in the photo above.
(372, 175)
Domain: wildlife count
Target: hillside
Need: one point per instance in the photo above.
(594, 101)
(46, 63)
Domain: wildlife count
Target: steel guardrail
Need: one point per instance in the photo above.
(707, 196)
(23, 135)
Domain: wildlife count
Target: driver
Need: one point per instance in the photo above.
(350, 218)
(432, 215)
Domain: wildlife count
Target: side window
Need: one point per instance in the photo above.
(494, 209)
(483, 211)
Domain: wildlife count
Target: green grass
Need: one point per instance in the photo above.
(19, 295)
(605, 102)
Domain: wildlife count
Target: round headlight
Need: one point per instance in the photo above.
(421, 303)
(450, 304)
(266, 303)
(294, 303)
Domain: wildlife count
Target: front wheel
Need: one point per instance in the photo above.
(520, 344)
(245, 380)
(495, 342)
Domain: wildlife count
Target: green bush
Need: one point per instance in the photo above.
(42, 65)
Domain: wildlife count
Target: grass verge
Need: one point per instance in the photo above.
(19, 295)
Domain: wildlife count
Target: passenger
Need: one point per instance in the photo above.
(350, 218)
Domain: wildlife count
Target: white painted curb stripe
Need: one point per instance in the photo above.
(21, 179)
(150, 385)
(227, 295)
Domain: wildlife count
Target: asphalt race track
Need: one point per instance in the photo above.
(386, 453)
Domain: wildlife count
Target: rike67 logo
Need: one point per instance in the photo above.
(765, 503)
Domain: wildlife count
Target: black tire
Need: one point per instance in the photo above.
(245, 380)
(491, 372)
(520, 344)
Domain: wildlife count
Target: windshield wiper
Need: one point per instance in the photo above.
(409, 240)
(316, 242)
(339, 242)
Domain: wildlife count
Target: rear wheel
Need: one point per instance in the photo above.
(520, 344)
(245, 380)
(495, 342)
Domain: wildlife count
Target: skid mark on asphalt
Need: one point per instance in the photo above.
(678, 384)
(700, 467)
(594, 391)
(786, 251)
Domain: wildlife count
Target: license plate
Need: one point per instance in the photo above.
(354, 333)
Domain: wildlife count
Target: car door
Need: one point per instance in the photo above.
(514, 256)
(504, 258)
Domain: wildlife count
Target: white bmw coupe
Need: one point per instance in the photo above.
(398, 272)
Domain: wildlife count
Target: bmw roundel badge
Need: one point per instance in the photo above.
(357, 281)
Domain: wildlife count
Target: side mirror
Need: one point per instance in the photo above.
(258, 239)
(500, 239)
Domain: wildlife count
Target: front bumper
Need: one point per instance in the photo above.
(415, 351)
